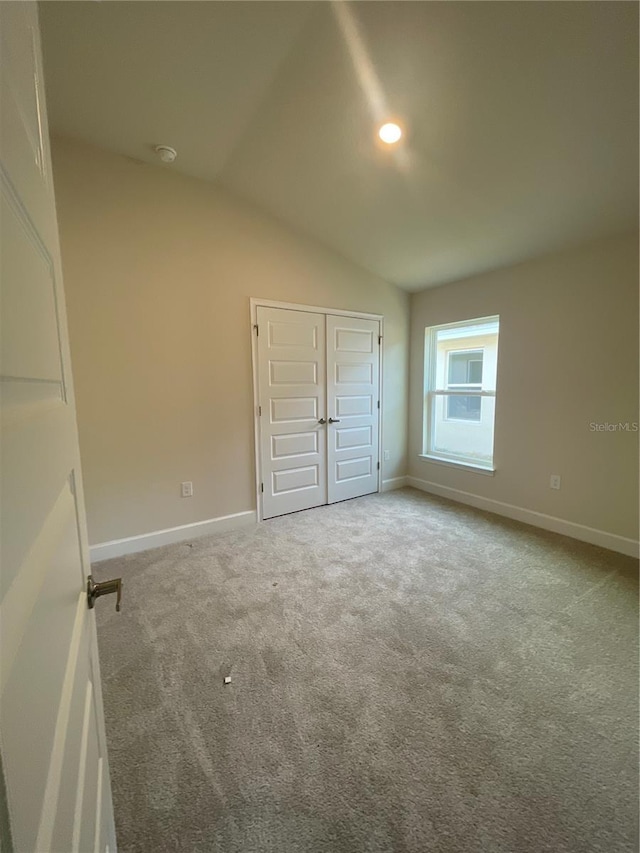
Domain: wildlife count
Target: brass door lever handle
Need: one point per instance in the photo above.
(95, 590)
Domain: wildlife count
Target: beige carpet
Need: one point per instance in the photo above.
(408, 675)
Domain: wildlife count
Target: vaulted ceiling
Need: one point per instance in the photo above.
(521, 119)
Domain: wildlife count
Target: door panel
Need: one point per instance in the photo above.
(352, 469)
(354, 374)
(53, 742)
(73, 759)
(296, 444)
(23, 135)
(354, 437)
(292, 479)
(353, 369)
(295, 409)
(30, 343)
(292, 395)
(348, 406)
(294, 373)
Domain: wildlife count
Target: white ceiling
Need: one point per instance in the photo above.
(521, 118)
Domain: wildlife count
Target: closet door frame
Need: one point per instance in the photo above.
(313, 309)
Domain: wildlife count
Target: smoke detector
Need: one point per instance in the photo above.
(165, 153)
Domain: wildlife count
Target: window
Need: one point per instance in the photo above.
(460, 391)
(464, 373)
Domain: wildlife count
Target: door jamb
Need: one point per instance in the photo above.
(254, 304)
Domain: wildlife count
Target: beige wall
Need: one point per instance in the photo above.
(568, 357)
(158, 271)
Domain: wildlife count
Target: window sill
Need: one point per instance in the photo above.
(452, 463)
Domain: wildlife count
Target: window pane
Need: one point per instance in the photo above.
(468, 436)
(464, 408)
(465, 367)
(457, 369)
(475, 371)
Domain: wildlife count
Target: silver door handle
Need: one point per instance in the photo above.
(95, 590)
(334, 420)
(322, 421)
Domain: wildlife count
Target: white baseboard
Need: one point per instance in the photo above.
(393, 483)
(133, 544)
(630, 547)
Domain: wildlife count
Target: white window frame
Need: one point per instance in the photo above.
(431, 392)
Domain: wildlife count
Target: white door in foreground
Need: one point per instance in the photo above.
(353, 392)
(292, 400)
(52, 729)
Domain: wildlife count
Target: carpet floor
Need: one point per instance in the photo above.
(408, 675)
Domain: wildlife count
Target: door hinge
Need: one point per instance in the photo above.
(255, 326)
(261, 487)
(378, 466)
(378, 403)
(379, 339)
(260, 411)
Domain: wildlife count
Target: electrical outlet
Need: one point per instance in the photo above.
(387, 455)
(554, 482)
(186, 489)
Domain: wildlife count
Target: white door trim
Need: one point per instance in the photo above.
(312, 309)
(254, 302)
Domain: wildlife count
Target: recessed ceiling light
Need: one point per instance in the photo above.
(390, 132)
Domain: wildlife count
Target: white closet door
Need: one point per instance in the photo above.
(292, 399)
(353, 384)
